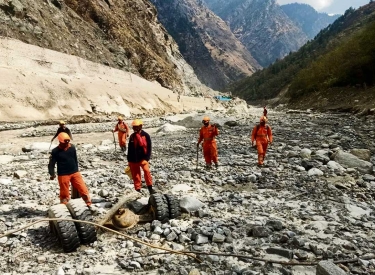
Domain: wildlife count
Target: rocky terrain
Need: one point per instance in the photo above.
(262, 26)
(206, 42)
(124, 35)
(313, 200)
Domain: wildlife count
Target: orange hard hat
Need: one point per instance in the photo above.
(137, 122)
(206, 118)
(120, 118)
(62, 137)
(62, 122)
(263, 118)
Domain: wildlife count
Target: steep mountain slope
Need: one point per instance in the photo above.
(41, 84)
(120, 34)
(206, 42)
(334, 71)
(261, 25)
(307, 18)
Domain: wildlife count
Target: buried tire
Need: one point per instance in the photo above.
(65, 231)
(159, 207)
(173, 206)
(79, 211)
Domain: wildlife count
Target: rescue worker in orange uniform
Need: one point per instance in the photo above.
(65, 156)
(62, 128)
(207, 134)
(123, 132)
(139, 154)
(262, 135)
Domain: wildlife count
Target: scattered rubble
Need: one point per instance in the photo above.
(307, 204)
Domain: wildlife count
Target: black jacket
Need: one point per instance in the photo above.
(67, 162)
(138, 154)
(66, 130)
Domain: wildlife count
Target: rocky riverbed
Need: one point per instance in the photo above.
(313, 200)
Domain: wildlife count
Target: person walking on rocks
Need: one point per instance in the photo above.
(139, 153)
(62, 129)
(262, 135)
(123, 132)
(65, 156)
(207, 134)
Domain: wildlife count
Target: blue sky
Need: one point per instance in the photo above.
(328, 6)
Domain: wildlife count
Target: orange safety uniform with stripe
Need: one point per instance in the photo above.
(123, 133)
(207, 135)
(67, 171)
(261, 134)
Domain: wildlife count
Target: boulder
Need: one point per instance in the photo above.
(352, 161)
(190, 204)
(363, 154)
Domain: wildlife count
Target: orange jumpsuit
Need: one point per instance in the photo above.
(208, 134)
(262, 135)
(123, 132)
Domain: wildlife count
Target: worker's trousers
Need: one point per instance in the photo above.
(77, 182)
(210, 152)
(135, 168)
(262, 149)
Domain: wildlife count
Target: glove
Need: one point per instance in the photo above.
(52, 177)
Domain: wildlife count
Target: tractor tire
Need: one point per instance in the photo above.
(173, 206)
(159, 207)
(79, 211)
(65, 231)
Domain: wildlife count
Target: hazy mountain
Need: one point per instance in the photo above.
(307, 18)
(334, 71)
(206, 42)
(262, 26)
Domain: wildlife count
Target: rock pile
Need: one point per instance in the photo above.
(313, 200)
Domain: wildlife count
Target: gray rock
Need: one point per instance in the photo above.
(190, 204)
(328, 268)
(20, 174)
(260, 231)
(280, 251)
(201, 239)
(172, 236)
(363, 154)
(315, 172)
(275, 224)
(351, 161)
(217, 238)
(305, 153)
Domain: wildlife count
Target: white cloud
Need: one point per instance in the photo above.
(316, 4)
(328, 6)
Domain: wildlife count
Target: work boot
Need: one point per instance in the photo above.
(208, 166)
(152, 191)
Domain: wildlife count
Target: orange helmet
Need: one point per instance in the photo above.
(120, 118)
(263, 118)
(62, 137)
(62, 122)
(137, 122)
(206, 118)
